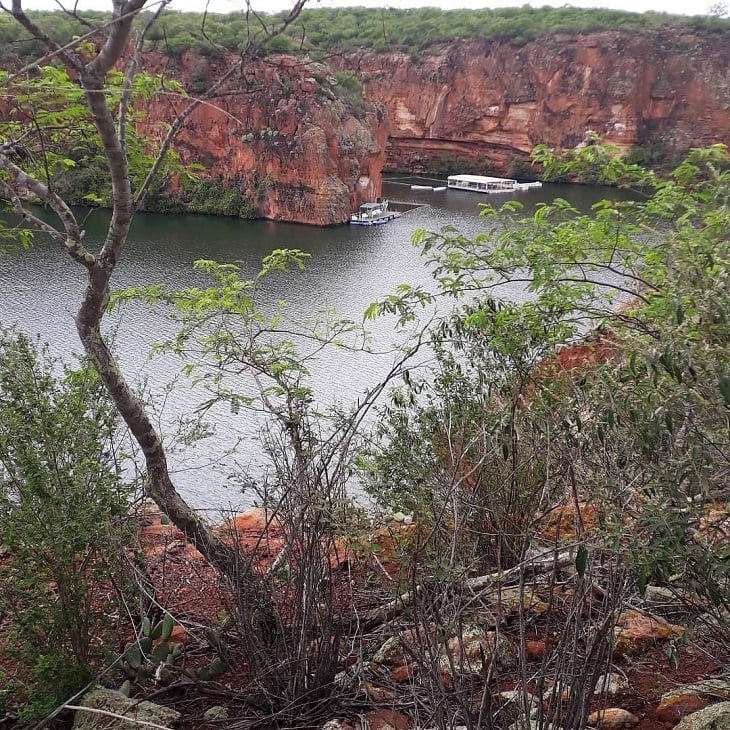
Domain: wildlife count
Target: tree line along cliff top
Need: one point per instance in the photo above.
(344, 29)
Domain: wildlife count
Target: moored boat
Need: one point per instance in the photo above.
(373, 214)
(485, 184)
(430, 188)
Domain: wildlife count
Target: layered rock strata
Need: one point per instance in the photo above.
(492, 102)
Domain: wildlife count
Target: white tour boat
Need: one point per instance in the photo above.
(484, 184)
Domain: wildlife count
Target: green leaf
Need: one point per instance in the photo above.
(133, 656)
(167, 625)
(213, 637)
(372, 311)
(643, 579)
(581, 561)
(217, 667)
(160, 652)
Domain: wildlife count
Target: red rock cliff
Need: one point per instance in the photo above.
(279, 133)
(490, 102)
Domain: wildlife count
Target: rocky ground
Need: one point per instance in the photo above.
(668, 662)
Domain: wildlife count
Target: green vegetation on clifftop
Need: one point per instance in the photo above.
(344, 29)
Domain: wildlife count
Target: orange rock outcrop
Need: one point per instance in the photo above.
(282, 132)
(278, 132)
(491, 102)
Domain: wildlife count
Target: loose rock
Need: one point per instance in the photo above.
(386, 720)
(714, 717)
(610, 684)
(613, 718)
(108, 703)
(635, 632)
(673, 708)
(215, 713)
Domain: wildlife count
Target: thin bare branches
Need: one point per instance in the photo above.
(182, 116)
(18, 13)
(72, 236)
(131, 74)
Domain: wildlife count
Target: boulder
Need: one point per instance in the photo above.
(108, 708)
(714, 717)
(673, 708)
(690, 698)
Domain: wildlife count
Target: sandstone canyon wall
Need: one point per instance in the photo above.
(284, 134)
(278, 133)
(492, 102)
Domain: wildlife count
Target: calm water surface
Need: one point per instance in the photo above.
(350, 267)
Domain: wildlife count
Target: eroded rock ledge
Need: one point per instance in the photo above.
(279, 133)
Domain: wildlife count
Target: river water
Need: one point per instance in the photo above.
(350, 267)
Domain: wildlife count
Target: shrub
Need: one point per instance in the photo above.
(64, 517)
(632, 419)
(642, 428)
(206, 196)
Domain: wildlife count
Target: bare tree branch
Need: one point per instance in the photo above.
(71, 240)
(18, 13)
(100, 267)
(181, 118)
(132, 70)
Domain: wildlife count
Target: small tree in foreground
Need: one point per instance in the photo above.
(290, 616)
(96, 108)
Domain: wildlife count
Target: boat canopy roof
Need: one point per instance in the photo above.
(480, 179)
(370, 206)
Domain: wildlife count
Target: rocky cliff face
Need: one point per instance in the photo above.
(488, 103)
(279, 133)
